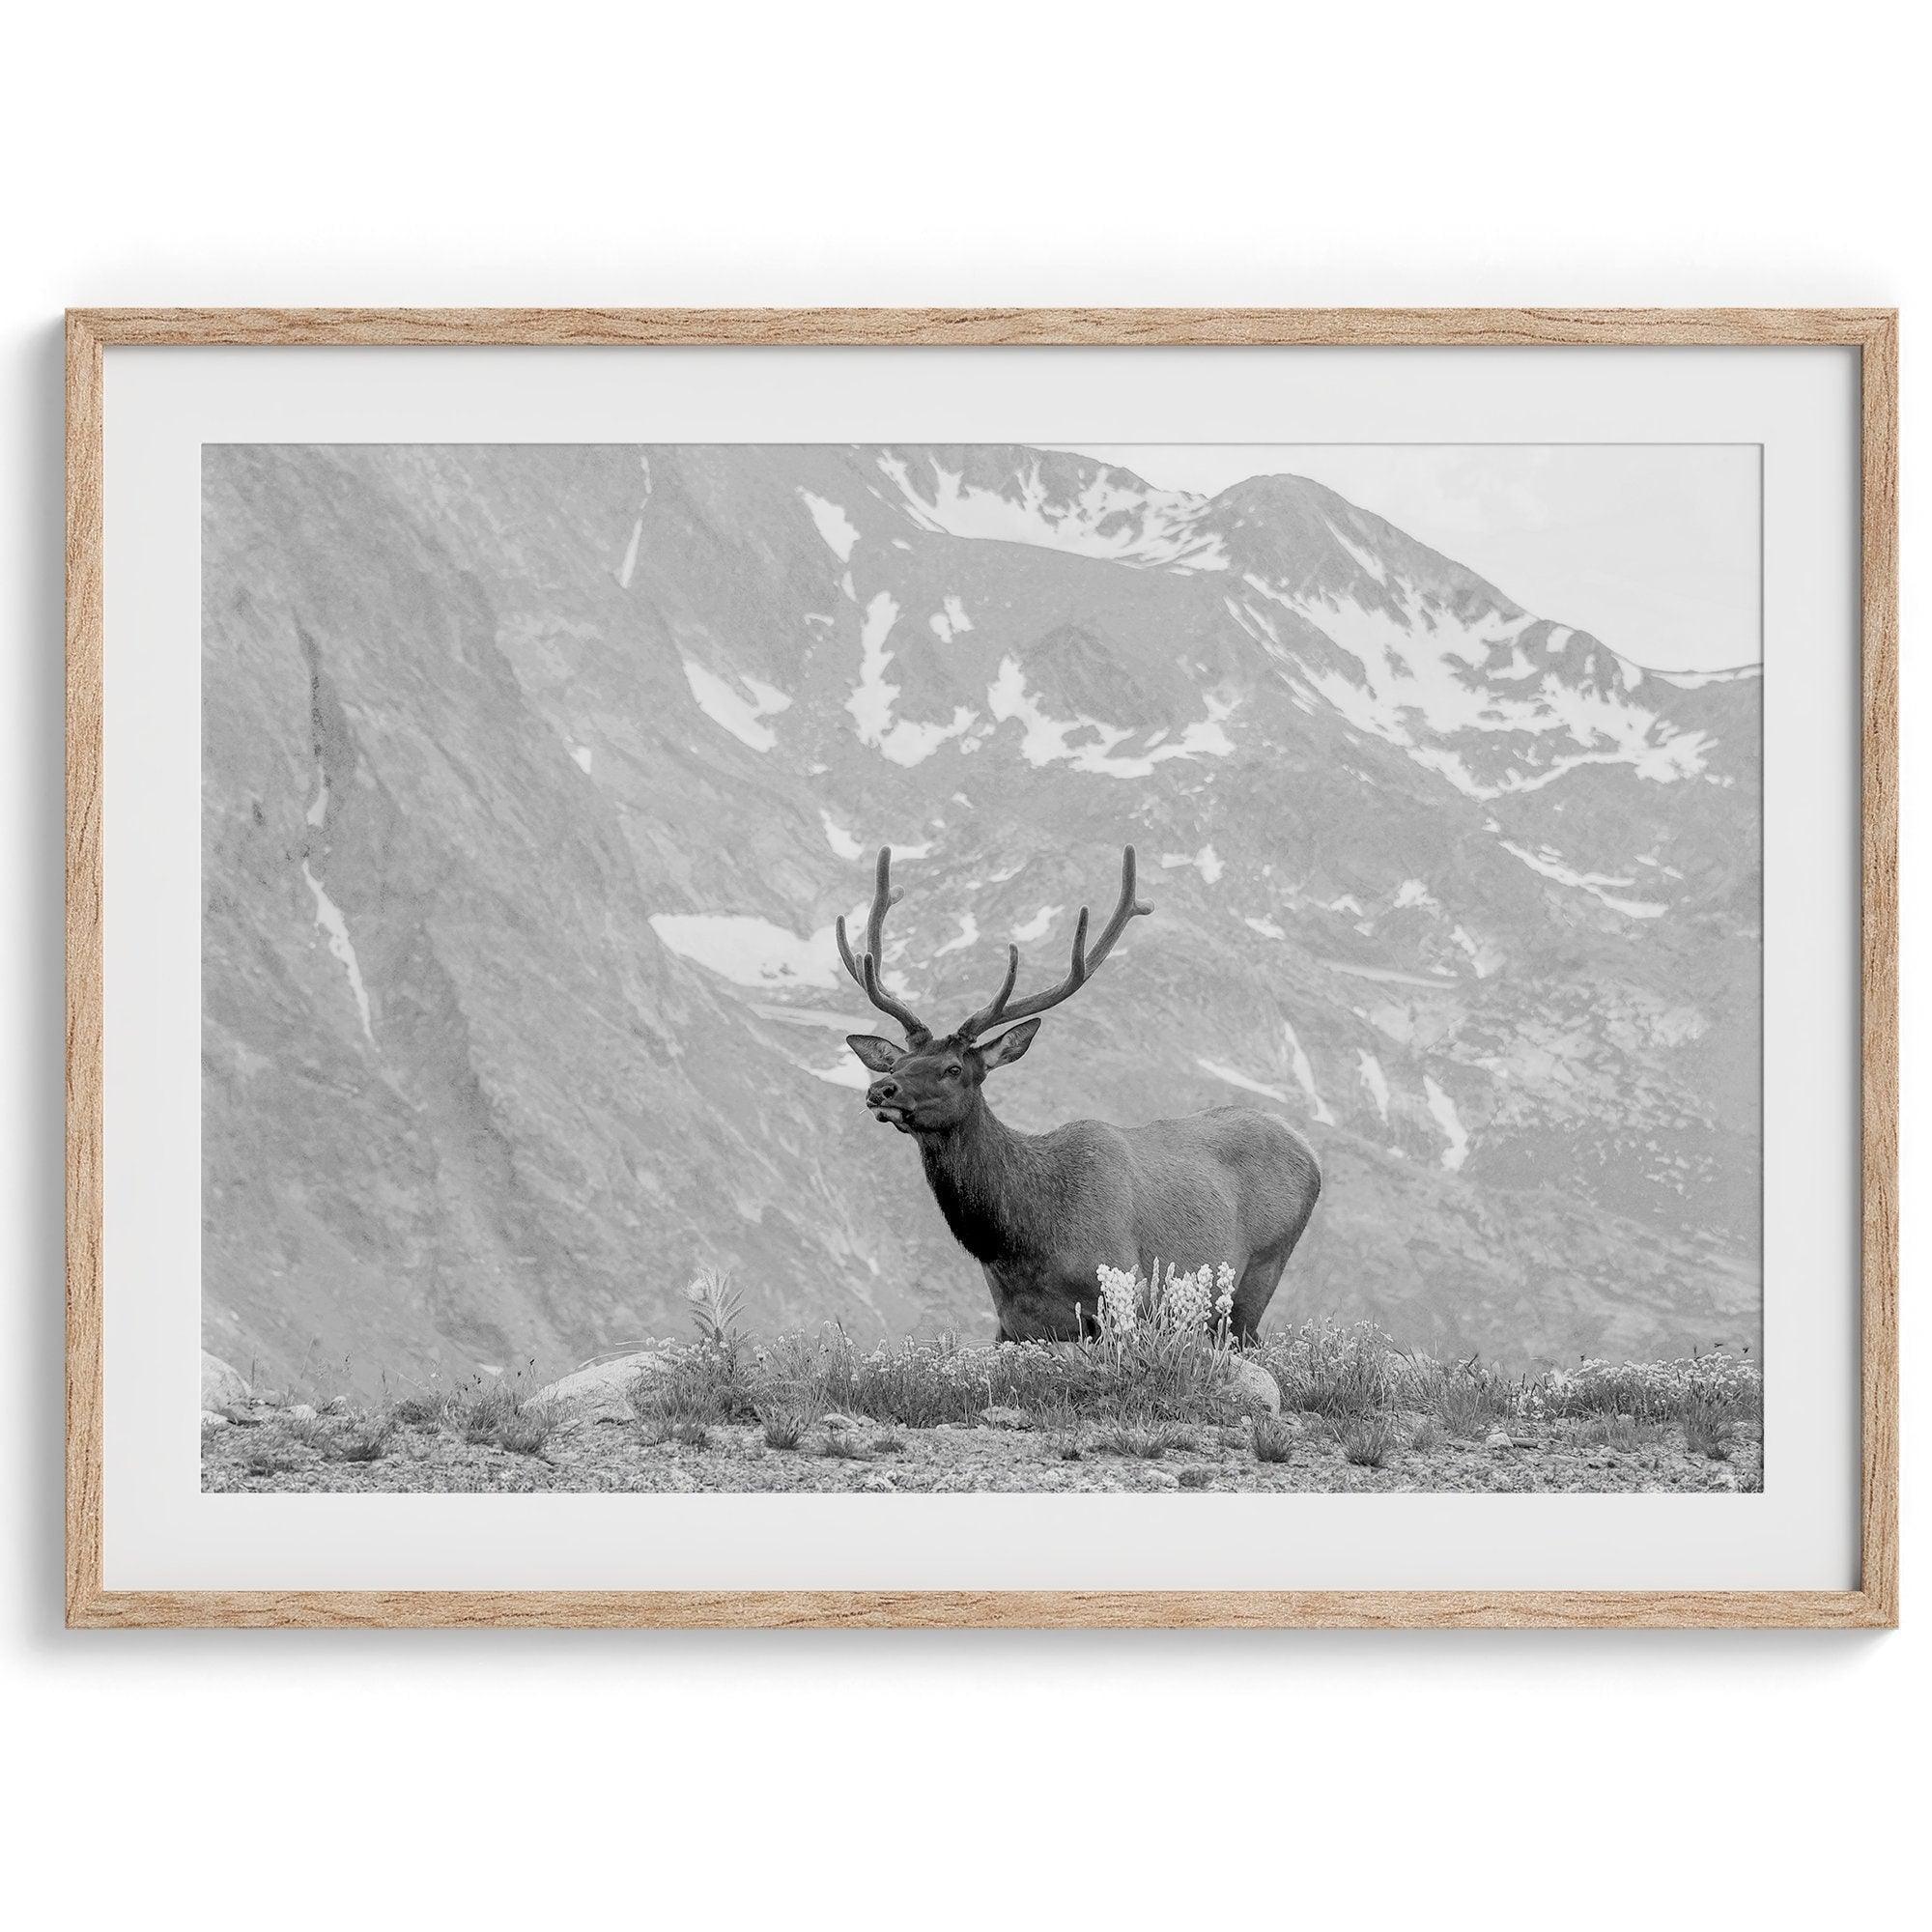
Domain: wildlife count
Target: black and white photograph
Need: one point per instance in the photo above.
(807, 968)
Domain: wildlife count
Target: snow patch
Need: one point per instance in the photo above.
(1036, 926)
(1697, 680)
(1443, 1109)
(750, 952)
(581, 753)
(950, 621)
(1242, 1081)
(902, 741)
(630, 563)
(1207, 861)
(1266, 927)
(1368, 559)
(1148, 528)
(1374, 1080)
(846, 1072)
(329, 916)
(969, 931)
(1484, 958)
(1552, 867)
(1046, 737)
(838, 529)
(738, 715)
(1305, 1075)
(1410, 682)
(840, 839)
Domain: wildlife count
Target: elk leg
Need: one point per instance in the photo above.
(1001, 1331)
(1255, 1288)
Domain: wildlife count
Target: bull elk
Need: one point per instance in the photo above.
(1041, 1212)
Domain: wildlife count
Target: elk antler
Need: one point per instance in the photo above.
(1085, 964)
(865, 969)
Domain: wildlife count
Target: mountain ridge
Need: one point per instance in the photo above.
(616, 732)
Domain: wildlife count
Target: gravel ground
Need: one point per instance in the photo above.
(302, 1454)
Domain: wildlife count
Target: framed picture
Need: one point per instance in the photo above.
(982, 968)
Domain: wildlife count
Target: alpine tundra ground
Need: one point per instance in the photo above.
(1147, 1412)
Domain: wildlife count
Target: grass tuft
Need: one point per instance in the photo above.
(784, 1424)
(365, 1442)
(1707, 1428)
(1368, 1441)
(1274, 1440)
(1147, 1439)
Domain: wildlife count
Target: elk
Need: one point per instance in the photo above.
(1042, 1212)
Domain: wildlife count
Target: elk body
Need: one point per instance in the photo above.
(1042, 1212)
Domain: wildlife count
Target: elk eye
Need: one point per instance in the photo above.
(952, 1073)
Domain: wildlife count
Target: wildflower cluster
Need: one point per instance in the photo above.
(1720, 1380)
(1187, 1295)
(1119, 1296)
(1172, 1301)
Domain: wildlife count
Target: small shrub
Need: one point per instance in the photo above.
(1707, 1428)
(1621, 1432)
(1149, 1441)
(527, 1428)
(1332, 1371)
(1274, 1440)
(1059, 1421)
(1425, 1435)
(842, 1446)
(1368, 1441)
(1730, 1385)
(692, 1433)
(691, 1391)
(367, 1442)
(271, 1462)
(425, 1409)
(785, 1425)
(1196, 1476)
(716, 1309)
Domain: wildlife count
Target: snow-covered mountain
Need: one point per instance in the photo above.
(536, 778)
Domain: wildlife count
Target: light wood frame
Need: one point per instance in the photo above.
(1872, 333)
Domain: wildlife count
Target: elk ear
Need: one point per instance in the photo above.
(880, 1055)
(1009, 1045)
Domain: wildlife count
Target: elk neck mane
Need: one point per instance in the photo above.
(983, 1172)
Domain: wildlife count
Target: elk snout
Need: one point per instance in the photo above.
(882, 1096)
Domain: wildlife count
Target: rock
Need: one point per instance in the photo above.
(999, 1417)
(221, 1388)
(596, 1392)
(842, 1424)
(300, 1411)
(212, 1418)
(1252, 1384)
(1500, 1438)
(1163, 1479)
(878, 1484)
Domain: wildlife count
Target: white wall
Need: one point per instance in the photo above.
(1014, 154)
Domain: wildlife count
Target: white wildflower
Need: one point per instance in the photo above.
(1118, 1291)
(1224, 1296)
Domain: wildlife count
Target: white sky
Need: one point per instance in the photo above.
(1651, 547)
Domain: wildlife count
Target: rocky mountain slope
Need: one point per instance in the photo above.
(535, 779)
